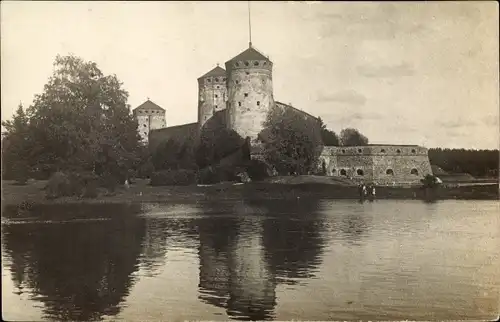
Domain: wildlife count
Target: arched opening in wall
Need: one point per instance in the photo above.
(246, 94)
(414, 172)
(360, 172)
(334, 171)
(248, 73)
(237, 82)
(239, 103)
(383, 150)
(247, 63)
(256, 63)
(389, 172)
(216, 79)
(323, 166)
(398, 151)
(258, 103)
(343, 151)
(343, 172)
(413, 151)
(359, 150)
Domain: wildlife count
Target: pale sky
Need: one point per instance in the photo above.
(402, 73)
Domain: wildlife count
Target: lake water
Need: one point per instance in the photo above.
(265, 260)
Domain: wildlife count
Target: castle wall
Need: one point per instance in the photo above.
(382, 164)
(250, 96)
(212, 96)
(180, 133)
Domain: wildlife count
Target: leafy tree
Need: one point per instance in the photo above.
(290, 143)
(352, 137)
(215, 145)
(81, 122)
(479, 163)
(16, 147)
(329, 138)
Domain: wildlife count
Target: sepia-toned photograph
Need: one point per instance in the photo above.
(250, 160)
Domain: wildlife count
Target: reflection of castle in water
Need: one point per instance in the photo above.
(243, 259)
(85, 271)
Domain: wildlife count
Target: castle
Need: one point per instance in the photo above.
(241, 97)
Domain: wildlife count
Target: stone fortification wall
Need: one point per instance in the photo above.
(212, 97)
(180, 133)
(382, 164)
(250, 95)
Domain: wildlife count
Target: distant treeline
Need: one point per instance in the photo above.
(478, 163)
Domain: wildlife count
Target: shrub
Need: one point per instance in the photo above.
(173, 178)
(83, 184)
(58, 185)
(218, 174)
(257, 170)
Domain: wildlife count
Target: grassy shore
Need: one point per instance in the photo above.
(141, 191)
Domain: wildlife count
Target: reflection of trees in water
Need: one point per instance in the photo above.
(165, 230)
(294, 238)
(79, 270)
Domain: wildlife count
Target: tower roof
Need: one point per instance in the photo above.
(217, 71)
(249, 54)
(148, 105)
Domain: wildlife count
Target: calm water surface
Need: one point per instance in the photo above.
(283, 260)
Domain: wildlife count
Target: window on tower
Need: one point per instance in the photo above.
(258, 103)
(216, 95)
(256, 63)
(239, 103)
(216, 79)
(247, 63)
(246, 94)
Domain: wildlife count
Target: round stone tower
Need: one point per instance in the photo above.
(212, 94)
(250, 92)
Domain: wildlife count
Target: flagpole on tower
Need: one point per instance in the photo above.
(249, 26)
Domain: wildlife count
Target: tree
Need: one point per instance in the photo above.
(16, 147)
(329, 138)
(81, 122)
(352, 137)
(215, 145)
(290, 143)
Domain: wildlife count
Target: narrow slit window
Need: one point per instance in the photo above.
(258, 103)
(246, 94)
(239, 103)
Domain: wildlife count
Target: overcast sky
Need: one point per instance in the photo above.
(402, 73)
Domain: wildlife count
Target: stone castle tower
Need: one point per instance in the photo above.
(249, 92)
(212, 94)
(150, 117)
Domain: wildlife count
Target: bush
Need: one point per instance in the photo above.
(73, 184)
(173, 178)
(218, 174)
(257, 170)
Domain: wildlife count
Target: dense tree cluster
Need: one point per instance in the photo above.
(352, 137)
(290, 143)
(479, 163)
(330, 138)
(81, 122)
